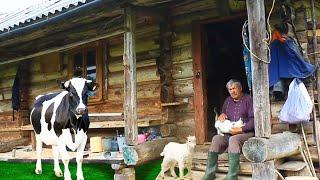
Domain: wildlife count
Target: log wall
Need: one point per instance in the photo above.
(46, 69)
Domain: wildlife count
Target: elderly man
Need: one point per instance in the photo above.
(238, 105)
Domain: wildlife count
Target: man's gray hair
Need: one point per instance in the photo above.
(233, 81)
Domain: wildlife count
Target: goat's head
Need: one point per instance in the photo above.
(191, 141)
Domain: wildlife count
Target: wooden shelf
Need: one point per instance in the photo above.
(173, 104)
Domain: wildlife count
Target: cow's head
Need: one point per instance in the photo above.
(79, 90)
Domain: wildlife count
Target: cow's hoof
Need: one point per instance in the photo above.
(38, 171)
(67, 178)
(80, 177)
(58, 173)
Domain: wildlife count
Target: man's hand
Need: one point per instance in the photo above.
(236, 130)
(222, 117)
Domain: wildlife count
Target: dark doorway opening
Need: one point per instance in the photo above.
(223, 61)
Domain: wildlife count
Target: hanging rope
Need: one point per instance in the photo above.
(266, 40)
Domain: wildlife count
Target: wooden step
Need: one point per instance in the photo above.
(292, 166)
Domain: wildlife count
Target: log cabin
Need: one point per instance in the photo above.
(159, 63)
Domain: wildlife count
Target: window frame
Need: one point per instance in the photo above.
(84, 49)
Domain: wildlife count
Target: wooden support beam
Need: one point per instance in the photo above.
(199, 86)
(150, 150)
(316, 60)
(281, 145)
(130, 93)
(62, 48)
(263, 171)
(260, 82)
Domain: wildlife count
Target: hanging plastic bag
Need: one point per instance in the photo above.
(298, 106)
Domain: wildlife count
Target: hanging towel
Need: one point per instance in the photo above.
(287, 62)
(16, 91)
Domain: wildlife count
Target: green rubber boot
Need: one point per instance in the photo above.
(234, 166)
(211, 166)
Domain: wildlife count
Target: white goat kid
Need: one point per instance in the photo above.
(178, 153)
(226, 125)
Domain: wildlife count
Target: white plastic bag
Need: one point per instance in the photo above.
(298, 106)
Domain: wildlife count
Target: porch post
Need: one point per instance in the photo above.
(130, 94)
(260, 82)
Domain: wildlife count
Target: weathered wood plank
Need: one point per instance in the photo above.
(260, 82)
(130, 93)
(142, 75)
(260, 150)
(9, 145)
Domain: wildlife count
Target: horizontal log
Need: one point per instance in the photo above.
(9, 145)
(143, 74)
(145, 152)
(167, 130)
(277, 146)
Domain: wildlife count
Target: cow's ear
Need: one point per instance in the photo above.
(65, 85)
(92, 86)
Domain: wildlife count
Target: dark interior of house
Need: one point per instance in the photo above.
(224, 60)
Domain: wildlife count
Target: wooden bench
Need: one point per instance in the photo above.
(103, 121)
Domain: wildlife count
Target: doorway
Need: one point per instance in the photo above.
(220, 59)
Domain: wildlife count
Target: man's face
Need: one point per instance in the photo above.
(235, 91)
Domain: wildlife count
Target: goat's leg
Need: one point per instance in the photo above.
(181, 169)
(57, 170)
(38, 169)
(173, 173)
(164, 167)
(189, 174)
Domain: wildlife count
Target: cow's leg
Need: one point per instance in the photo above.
(79, 158)
(57, 170)
(38, 169)
(65, 159)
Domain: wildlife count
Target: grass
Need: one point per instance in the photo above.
(25, 171)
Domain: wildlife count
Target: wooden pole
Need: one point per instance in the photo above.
(315, 44)
(260, 83)
(262, 171)
(130, 93)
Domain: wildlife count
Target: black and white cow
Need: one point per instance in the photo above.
(56, 116)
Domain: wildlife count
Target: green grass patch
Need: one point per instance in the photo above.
(25, 171)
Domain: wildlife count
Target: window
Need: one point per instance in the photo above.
(87, 62)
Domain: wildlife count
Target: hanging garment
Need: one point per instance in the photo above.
(247, 62)
(287, 62)
(15, 100)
